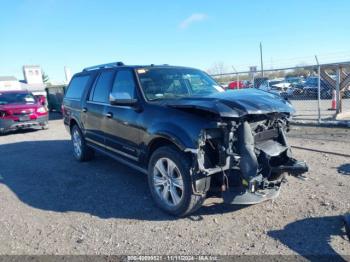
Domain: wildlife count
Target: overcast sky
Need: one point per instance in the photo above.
(80, 33)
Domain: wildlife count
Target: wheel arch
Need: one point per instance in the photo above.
(161, 141)
(73, 122)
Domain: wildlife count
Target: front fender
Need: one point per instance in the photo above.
(181, 137)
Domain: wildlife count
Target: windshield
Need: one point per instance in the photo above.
(16, 98)
(171, 83)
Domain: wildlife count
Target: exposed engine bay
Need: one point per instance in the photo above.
(247, 158)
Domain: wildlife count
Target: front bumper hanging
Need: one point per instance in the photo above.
(262, 160)
(242, 196)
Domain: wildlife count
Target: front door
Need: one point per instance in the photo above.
(121, 126)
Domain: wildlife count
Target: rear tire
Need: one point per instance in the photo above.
(170, 182)
(80, 150)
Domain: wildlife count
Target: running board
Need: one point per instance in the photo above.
(119, 159)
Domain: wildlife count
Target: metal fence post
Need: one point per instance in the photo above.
(318, 90)
(337, 90)
(319, 93)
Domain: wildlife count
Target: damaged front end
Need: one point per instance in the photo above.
(247, 158)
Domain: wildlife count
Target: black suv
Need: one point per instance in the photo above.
(178, 126)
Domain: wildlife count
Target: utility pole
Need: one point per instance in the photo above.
(237, 75)
(261, 61)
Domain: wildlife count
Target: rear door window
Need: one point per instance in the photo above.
(77, 86)
(101, 91)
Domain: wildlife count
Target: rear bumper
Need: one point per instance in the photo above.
(7, 125)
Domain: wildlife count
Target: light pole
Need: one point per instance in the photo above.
(237, 75)
(261, 61)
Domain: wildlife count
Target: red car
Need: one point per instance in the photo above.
(236, 85)
(21, 110)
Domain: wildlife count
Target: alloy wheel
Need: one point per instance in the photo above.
(168, 182)
(77, 143)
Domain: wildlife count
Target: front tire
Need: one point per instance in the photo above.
(170, 182)
(80, 150)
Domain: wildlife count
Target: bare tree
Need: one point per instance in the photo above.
(45, 78)
(218, 68)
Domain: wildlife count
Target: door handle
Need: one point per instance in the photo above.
(84, 109)
(109, 115)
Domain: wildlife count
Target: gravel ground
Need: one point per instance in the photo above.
(51, 204)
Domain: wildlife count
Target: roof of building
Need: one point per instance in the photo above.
(8, 78)
(31, 66)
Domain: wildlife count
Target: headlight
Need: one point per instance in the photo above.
(41, 110)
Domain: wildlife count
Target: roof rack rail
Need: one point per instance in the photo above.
(109, 65)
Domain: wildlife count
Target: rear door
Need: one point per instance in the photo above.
(73, 98)
(121, 126)
(95, 107)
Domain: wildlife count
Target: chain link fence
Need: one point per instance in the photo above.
(318, 93)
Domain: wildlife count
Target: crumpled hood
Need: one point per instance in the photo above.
(236, 103)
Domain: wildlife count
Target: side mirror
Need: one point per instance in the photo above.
(122, 99)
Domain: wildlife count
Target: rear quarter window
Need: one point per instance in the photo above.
(77, 86)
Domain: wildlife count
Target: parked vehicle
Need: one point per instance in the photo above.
(236, 85)
(270, 86)
(275, 84)
(297, 85)
(22, 110)
(55, 96)
(248, 84)
(295, 80)
(310, 89)
(178, 126)
(258, 81)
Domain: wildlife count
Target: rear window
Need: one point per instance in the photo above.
(77, 87)
(16, 98)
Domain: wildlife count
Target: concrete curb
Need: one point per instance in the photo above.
(327, 123)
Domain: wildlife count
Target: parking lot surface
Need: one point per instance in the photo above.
(51, 204)
(308, 109)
